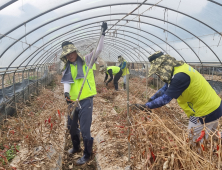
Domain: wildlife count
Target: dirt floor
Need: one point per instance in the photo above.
(68, 160)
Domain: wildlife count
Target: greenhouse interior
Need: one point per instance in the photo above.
(110, 85)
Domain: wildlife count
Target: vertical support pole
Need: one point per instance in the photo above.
(23, 86)
(48, 75)
(19, 76)
(37, 84)
(202, 70)
(9, 79)
(146, 82)
(139, 70)
(3, 94)
(34, 72)
(14, 91)
(128, 116)
(212, 74)
(42, 80)
(45, 75)
(28, 85)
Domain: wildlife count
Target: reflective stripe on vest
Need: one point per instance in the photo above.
(114, 69)
(199, 99)
(89, 88)
(125, 70)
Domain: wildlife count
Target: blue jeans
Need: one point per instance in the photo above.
(124, 79)
(84, 117)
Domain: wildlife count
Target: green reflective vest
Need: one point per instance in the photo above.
(114, 69)
(89, 88)
(125, 70)
(94, 66)
(199, 99)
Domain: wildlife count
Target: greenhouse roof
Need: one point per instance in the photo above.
(31, 31)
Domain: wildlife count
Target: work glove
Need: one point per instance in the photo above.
(104, 27)
(150, 100)
(67, 96)
(139, 106)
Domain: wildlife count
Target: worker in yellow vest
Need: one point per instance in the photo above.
(124, 67)
(112, 71)
(193, 93)
(76, 67)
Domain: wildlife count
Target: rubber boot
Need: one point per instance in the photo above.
(124, 86)
(116, 86)
(88, 144)
(76, 144)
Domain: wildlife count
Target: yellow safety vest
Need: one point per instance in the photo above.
(125, 70)
(89, 88)
(199, 99)
(114, 69)
(94, 66)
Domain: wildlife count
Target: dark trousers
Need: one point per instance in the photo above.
(116, 78)
(84, 116)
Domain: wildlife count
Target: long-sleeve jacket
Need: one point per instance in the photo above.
(111, 76)
(159, 98)
(67, 86)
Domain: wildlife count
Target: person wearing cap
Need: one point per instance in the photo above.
(76, 67)
(194, 94)
(124, 67)
(112, 70)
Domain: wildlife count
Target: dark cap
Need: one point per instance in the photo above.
(66, 43)
(155, 56)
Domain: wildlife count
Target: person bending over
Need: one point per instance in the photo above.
(112, 71)
(194, 94)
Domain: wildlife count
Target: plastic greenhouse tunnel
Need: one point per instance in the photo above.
(121, 84)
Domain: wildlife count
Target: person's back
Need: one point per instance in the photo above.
(114, 69)
(199, 99)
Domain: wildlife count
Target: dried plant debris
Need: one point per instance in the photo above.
(36, 133)
(158, 138)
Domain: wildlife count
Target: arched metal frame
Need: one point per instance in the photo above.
(125, 4)
(81, 39)
(72, 1)
(126, 53)
(93, 23)
(215, 2)
(55, 45)
(7, 4)
(91, 27)
(106, 36)
(60, 50)
(107, 20)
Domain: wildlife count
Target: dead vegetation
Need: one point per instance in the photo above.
(35, 131)
(158, 138)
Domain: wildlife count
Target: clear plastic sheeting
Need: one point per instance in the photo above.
(31, 32)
